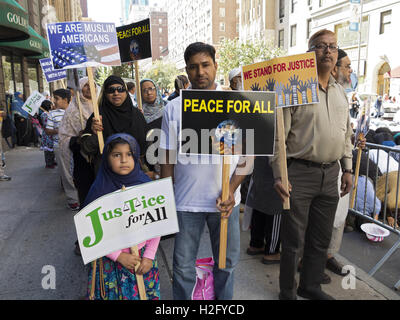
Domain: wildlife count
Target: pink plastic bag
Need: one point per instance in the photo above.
(204, 287)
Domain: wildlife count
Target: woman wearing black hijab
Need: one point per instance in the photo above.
(117, 115)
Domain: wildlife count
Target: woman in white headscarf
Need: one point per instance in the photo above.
(73, 123)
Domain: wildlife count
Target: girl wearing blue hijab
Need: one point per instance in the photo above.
(115, 278)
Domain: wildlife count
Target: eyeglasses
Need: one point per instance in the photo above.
(148, 90)
(323, 47)
(111, 90)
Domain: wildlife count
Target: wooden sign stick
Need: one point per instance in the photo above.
(138, 90)
(356, 174)
(139, 278)
(282, 156)
(223, 241)
(95, 106)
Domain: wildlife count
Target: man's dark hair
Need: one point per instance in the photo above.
(180, 82)
(46, 105)
(199, 47)
(130, 86)
(63, 94)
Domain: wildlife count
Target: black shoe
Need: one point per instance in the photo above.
(285, 297)
(333, 265)
(348, 229)
(313, 294)
(326, 279)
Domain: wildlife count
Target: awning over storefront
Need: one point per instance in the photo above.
(14, 22)
(46, 50)
(30, 47)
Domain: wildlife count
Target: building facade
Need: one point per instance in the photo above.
(159, 34)
(257, 20)
(208, 21)
(290, 23)
(20, 70)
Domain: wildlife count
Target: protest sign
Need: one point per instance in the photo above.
(293, 78)
(49, 72)
(33, 103)
(83, 44)
(134, 41)
(243, 123)
(124, 219)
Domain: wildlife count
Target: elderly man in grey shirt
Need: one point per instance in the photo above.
(318, 136)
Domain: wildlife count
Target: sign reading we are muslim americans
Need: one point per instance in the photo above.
(83, 44)
(293, 78)
(134, 41)
(125, 218)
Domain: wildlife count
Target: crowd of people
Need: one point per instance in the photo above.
(305, 239)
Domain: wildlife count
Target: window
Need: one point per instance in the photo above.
(293, 30)
(321, 3)
(222, 12)
(281, 8)
(160, 21)
(221, 26)
(386, 19)
(222, 1)
(309, 2)
(160, 30)
(294, 5)
(281, 38)
(309, 26)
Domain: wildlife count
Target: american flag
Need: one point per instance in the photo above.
(77, 55)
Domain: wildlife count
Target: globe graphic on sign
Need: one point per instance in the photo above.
(228, 132)
(134, 48)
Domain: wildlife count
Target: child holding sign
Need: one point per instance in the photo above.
(115, 278)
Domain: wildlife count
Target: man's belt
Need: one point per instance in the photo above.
(308, 163)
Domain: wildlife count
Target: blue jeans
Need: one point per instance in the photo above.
(187, 241)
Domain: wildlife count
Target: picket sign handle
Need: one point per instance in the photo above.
(139, 278)
(93, 287)
(356, 174)
(282, 156)
(138, 90)
(95, 106)
(223, 240)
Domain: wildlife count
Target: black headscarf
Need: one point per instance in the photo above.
(123, 119)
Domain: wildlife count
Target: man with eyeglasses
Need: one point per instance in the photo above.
(343, 70)
(318, 136)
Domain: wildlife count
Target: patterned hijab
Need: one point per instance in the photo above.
(153, 111)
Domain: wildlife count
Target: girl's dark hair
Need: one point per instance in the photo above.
(199, 47)
(115, 142)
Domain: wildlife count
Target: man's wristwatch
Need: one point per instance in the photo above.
(348, 171)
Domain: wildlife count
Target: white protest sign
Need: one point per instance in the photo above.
(33, 103)
(123, 219)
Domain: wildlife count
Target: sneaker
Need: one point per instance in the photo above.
(73, 206)
(5, 178)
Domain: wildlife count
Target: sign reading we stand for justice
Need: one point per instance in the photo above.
(237, 122)
(123, 219)
(293, 78)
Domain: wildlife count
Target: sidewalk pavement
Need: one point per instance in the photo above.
(42, 230)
